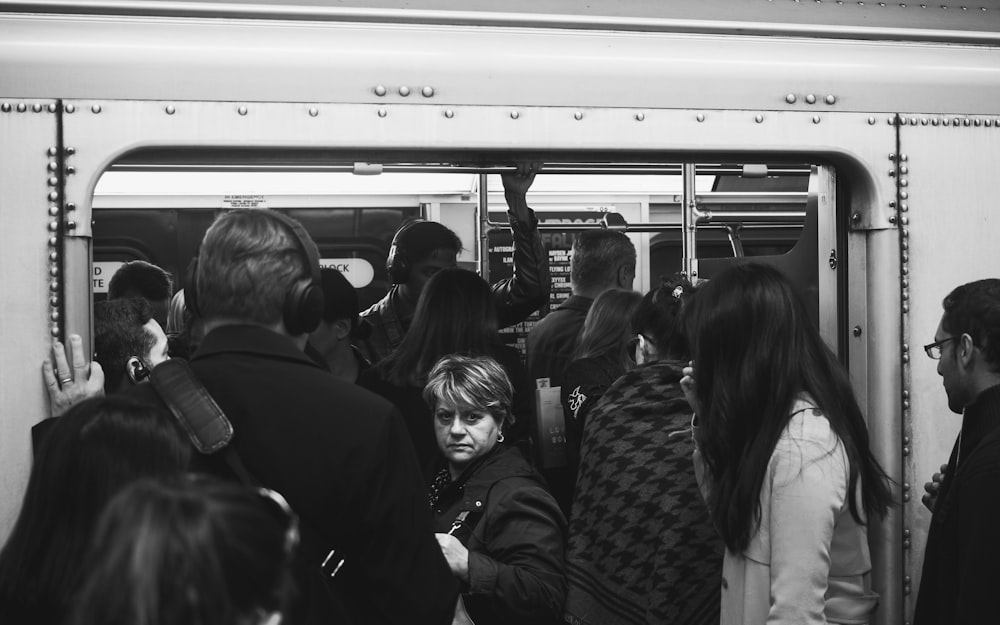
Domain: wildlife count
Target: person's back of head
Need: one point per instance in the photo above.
(128, 342)
(189, 551)
(255, 268)
(340, 302)
(607, 329)
(139, 278)
(602, 259)
(658, 320)
(91, 452)
(974, 309)
(415, 241)
(455, 314)
(755, 352)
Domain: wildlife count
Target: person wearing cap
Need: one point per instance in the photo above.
(422, 248)
(331, 343)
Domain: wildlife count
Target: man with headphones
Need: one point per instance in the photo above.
(340, 455)
(128, 342)
(422, 248)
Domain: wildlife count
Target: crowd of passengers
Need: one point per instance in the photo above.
(386, 467)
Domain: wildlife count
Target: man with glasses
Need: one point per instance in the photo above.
(960, 573)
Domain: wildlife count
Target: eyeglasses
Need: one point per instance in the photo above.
(934, 349)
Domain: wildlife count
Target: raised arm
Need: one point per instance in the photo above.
(528, 290)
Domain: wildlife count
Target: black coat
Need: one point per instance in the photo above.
(516, 541)
(960, 572)
(342, 458)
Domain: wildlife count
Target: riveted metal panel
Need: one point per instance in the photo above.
(255, 60)
(948, 226)
(30, 266)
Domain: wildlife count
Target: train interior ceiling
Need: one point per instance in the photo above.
(156, 206)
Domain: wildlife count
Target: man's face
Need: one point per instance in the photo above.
(159, 352)
(424, 269)
(950, 370)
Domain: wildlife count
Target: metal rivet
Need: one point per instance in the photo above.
(21, 107)
(759, 119)
(988, 123)
(53, 181)
(945, 121)
(52, 164)
(70, 108)
(906, 497)
(902, 121)
(892, 173)
(856, 331)
(640, 116)
(956, 122)
(904, 195)
(871, 121)
(811, 99)
(790, 98)
(70, 206)
(53, 226)
(904, 207)
(95, 109)
(5, 107)
(71, 225)
(54, 256)
(36, 107)
(816, 119)
(913, 121)
(903, 182)
(53, 242)
(700, 117)
(966, 122)
(53, 196)
(242, 110)
(906, 257)
(904, 220)
(380, 90)
(479, 504)
(54, 315)
(382, 113)
(923, 121)
(514, 114)
(449, 113)
(313, 111)
(904, 169)
(892, 219)
(54, 301)
(856, 218)
(905, 245)
(831, 99)
(891, 121)
(54, 286)
(170, 109)
(53, 211)
(906, 232)
(70, 170)
(906, 283)
(935, 121)
(404, 91)
(52, 108)
(55, 331)
(977, 123)
(54, 272)
(428, 92)
(578, 116)
(892, 203)
(70, 150)
(906, 270)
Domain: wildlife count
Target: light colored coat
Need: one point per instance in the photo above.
(808, 562)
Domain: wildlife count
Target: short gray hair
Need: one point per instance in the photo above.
(597, 255)
(472, 382)
(249, 260)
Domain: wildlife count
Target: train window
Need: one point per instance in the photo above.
(741, 211)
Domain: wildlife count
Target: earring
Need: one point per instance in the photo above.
(500, 437)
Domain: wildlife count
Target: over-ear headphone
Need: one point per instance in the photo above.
(398, 263)
(303, 308)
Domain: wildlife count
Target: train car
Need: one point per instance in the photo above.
(888, 110)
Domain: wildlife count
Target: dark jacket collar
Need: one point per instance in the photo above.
(250, 340)
(982, 418)
(576, 302)
(474, 483)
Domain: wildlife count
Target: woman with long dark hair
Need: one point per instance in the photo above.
(790, 480)
(89, 454)
(456, 314)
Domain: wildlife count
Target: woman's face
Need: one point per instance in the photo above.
(462, 434)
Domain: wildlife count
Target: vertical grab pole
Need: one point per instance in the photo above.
(689, 224)
(483, 228)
